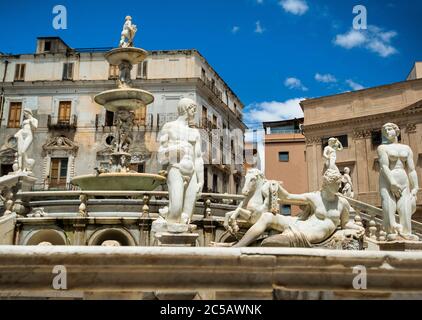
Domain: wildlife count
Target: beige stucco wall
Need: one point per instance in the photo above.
(293, 173)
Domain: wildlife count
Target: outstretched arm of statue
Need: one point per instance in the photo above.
(385, 170)
(345, 221)
(413, 176)
(293, 199)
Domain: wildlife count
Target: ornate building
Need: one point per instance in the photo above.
(75, 135)
(356, 118)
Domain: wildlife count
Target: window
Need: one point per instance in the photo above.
(113, 72)
(204, 116)
(205, 188)
(142, 70)
(109, 119)
(58, 171)
(283, 156)
(47, 46)
(15, 112)
(286, 210)
(140, 116)
(376, 138)
(64, 112)
(214, 183)
(214, 122)
(343, 139)
(203, 74)
(20, 72)
(68, 71)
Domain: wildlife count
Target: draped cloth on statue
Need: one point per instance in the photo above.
(291, 238)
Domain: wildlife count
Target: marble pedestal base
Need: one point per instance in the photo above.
(400, 246)
(167, 239)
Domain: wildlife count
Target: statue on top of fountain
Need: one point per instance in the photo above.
(128, 32)
(180, 152)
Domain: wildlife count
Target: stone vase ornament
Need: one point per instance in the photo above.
(398, 185)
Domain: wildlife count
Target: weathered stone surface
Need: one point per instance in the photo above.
(324, 273)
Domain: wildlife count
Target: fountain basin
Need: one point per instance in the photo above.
(119, 182)
(132, 55)
(129, 99)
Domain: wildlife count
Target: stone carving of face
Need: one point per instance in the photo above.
(346, 170)
(332, 142)
(390, 131)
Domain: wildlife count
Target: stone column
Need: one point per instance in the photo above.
(359, 137)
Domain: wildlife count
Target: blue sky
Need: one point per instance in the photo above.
(272, 53)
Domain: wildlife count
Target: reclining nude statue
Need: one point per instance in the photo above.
(325, 214)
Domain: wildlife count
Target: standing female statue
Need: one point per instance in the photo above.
(398, 184)
(24, 138)
(128, 32)
(330, 153)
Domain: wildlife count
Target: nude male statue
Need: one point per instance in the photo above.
(180, 151)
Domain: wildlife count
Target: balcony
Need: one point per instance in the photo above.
(219, 95)
(54, 123)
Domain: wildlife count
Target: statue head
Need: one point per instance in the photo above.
(187, 107)
(27, 113)
(391, 132)
(332, 142)
(331, 181)
(253, 176)
(346, 170)
(128, 18)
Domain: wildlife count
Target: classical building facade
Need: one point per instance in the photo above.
(285, 157)
(75, 135)
(356, 119)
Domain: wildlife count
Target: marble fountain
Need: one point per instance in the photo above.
(123, 101)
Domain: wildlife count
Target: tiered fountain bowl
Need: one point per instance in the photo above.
(124, 98)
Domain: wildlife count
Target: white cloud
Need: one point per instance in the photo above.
(325, 78)
(373, 39)
(273, 111)
(259, 29)
(354, 85)
(350, 40)
(235, 29)
(294, 83)
(297, 7)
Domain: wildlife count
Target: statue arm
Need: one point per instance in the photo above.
(385, 170)
(345, 221)
(294, 199)
(163, 157)
(325, 153)
(413, 176)
(199, 163)
(339, 145)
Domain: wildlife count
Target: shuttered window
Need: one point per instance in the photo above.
(15, 112)
(20, 72)
(65, 108)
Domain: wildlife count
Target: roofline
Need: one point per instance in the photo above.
(269, 123)
(54, 38)
(413, 67)
(172, 51)
(357, 92)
